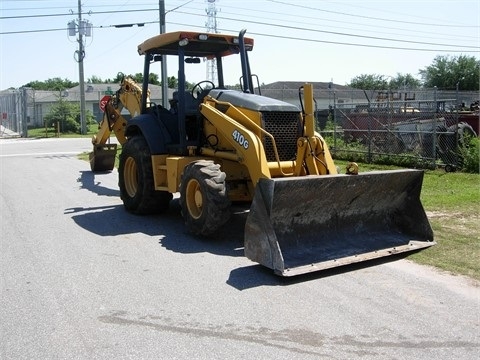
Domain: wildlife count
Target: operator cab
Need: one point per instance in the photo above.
(184, 120)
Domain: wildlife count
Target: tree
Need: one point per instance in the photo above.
(153, 79)
(238, 86)
(53, 84)
(404, 81)
(368, 82)
(446, 72)
(172, 82)
(189, 85)
(116, 80)
(67, 115)
(96, 80)
(381, 82)
(138, 78)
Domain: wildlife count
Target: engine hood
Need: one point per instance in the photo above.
(252, 101)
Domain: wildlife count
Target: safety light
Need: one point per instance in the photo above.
(183, 42)
(202, 37)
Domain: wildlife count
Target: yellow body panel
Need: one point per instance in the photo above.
(167, 174)
(168, 42)
(238, 132)
(167, 171)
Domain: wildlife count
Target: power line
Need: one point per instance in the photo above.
(341, 22)
(337, 42)
(59, 7)
(382, 9)
(70, 14)
(31, 31)
(280, 37)
(265, 24)
(343, 34)
(355, 34)
(275, 1)
(371, 17)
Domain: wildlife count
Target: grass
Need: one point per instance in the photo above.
(51, 133)
(452, 203)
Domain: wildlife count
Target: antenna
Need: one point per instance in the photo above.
(211, 26)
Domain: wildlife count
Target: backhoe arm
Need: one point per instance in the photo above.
(128, 96)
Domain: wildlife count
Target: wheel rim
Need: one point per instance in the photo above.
(130, 177)
(194, 199)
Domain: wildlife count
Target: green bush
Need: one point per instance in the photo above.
(67, 116)
(470, 155)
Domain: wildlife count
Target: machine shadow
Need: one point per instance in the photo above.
(92, 182)
(169, 227)
(227, 241)
(257, 275)
(93, 220)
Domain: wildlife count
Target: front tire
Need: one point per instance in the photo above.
(137, 189)
(203, 197)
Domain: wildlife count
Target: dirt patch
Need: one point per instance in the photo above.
(440, 214)
(465, 224)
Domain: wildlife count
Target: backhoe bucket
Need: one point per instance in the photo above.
(311, 223)
(102, 158)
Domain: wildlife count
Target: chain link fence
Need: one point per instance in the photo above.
(13, 104)
(421, 129)
(413, 128)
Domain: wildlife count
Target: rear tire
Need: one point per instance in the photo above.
(136, 179)
(203, 197)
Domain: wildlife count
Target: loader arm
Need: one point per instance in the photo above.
(237, 129)
(313, 155)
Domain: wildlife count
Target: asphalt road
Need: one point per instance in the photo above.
(83, 279)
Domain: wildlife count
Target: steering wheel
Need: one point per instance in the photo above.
(198, 88)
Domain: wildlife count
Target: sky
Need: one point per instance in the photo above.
(303, 40)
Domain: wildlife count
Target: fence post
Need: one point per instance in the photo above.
(457, 100)
(24, 116)
(369, 153)
(334, 121)
(434, 137)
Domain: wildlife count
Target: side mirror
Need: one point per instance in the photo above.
(155, 58)
(192, 60)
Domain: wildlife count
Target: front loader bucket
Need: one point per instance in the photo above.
(311, 223)
(102, 158)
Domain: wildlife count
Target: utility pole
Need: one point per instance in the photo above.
(81, 55)
(161, 7)
(83, 28)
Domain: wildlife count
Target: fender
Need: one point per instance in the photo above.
(153, 130)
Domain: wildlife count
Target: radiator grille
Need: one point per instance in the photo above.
(285, 128)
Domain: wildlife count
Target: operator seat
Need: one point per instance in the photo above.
(191, 104)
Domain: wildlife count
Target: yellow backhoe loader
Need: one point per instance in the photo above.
(216, 146)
